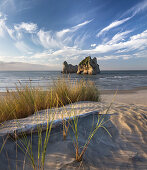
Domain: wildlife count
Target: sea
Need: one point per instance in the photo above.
(106, 80)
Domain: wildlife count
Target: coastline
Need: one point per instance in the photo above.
(133, 96)
(134, 90)
(137, 96)
(126, 149)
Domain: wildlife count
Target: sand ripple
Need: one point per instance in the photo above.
(126, 149)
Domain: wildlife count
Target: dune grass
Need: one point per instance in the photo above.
(24, 143)
(61, 93)
(36, 160)
(26, 100)
(80, 150)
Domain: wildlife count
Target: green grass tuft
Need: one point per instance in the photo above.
(26, 100)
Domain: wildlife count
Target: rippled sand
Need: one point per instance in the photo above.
(126, 149)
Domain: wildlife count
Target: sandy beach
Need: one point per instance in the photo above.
(126, 149)
(73, 85)
(135, 96)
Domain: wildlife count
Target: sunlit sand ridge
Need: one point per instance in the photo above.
(125, 149)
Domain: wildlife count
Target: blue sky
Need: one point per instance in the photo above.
(47, 32)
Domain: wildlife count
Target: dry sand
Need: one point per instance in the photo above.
(126, 149)
(136, 96)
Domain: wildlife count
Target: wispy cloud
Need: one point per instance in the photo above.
(48, 39)
(113, 25)
(72, 29)
(7, 3)
(16, 32)
(15, 5)
(20, 45)
(113, 57)
(137, 8)
(4, 30)
(28, 27)
(57, 40)
(136, 42)
(119, 37)
(2, 24)
(68, 44)
(132, 12)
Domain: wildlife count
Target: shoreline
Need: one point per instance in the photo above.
(137, 96)
(102, 91)
(127, 91)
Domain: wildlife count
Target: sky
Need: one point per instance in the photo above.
(42, 34)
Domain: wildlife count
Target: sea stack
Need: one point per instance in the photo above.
(69, 68)
(88, 66)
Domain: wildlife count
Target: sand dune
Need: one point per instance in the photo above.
(126, 149)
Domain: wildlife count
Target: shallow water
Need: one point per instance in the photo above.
(106, 80)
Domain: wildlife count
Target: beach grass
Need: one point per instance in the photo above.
(25, 142)
(80, 150)
(26, 100)
(61, 93)
(37, 159)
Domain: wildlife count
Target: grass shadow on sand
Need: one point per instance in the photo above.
(60, 153)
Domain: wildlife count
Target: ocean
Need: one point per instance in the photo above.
(106, 80)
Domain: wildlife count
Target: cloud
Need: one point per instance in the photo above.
(21, 46)
(133, 11)
(2, 25)
(14, 66)
(93, 45)
(119, 37)
(60, 39)
(82, 24)
(15, 6)
(138, 41)
(4, 30)
(135, 42)
(9, 58)
(141, 54)
(48, 40)
(69, 43)
(142, 35)
(14, 33)
(114, 57)
(113, 25)
(81, 40)
(74, 53)
(28, 27)
(7, 3)
(137, 8)
(72, 29)
(62, 32)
